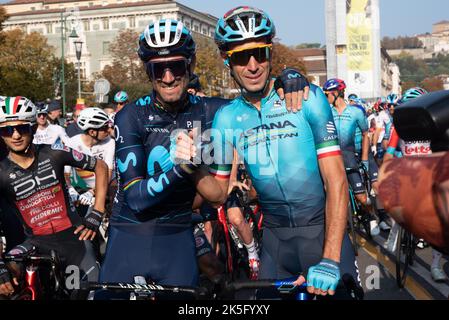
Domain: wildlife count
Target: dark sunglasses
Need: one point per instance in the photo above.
(106, 127)
(42, 115)
(177, 67)
(22, 129)
(241, 57)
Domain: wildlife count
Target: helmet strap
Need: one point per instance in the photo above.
(24, 153)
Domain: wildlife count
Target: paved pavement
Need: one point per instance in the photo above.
(377, 271)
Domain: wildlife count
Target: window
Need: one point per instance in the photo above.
(106, 47)
(96, 27)
(86, 25)
(119, 25)
(83, 70)
(49, 27)
(106, 24)
(91, 4)
(187, 25)
(47, 7)
(38, 30)
(132, 22)
(196, 28)
(204, 31)
(144, 23)
(33, 8)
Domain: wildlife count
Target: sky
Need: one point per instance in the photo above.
(299, 21)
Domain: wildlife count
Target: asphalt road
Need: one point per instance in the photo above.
(377, 271)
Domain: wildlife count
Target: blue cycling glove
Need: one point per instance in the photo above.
(366, 164)
(324, 276)
(291, 80)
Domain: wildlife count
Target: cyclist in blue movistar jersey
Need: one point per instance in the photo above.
(288, 157)
(151, 231)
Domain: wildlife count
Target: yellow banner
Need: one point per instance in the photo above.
(359, 33)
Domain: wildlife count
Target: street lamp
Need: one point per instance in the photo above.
(78, 47)
(63, 35)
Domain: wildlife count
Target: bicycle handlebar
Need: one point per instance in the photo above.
(155, 288)
(30, 256)
(283, 286)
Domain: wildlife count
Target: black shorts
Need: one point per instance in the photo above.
(287, 252)
(202, 245)
(71, 252)
(373, 168)
(354, 178)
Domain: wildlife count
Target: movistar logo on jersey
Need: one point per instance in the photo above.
(271, 126)
(294, 75)
(144, 101)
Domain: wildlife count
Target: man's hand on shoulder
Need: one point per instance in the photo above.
(292, 87)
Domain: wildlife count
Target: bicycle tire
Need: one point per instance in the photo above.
(352, 231)
(404, 256)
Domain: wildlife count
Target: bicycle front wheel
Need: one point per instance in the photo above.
(404, 256)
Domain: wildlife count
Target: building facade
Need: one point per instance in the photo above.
(391, 76)
(353, 45)
(315, 63)
(97, 23)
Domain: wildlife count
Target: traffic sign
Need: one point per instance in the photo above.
(102, 87)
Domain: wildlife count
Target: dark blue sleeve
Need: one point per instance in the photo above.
(211, 107)
(142, 187)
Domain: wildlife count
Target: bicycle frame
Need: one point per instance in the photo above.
(32, 284)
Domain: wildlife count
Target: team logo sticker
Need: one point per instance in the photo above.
(59, 145)
(199, 241)
(78, 156)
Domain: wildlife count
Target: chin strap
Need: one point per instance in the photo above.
(21, 153)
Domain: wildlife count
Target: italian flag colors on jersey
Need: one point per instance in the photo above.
(328, 149)
(220, 171)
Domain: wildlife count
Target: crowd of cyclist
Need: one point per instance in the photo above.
(114, 193)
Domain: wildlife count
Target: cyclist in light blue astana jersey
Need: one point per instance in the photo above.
(292, 158)
(347, 119)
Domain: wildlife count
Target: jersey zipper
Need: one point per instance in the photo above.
(267, 146)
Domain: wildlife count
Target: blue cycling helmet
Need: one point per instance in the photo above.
(243, 23)
(334, 85)
(121, 96)
(166, 37)
(42, 107)
(353, 97)
(392, 98)
(413, 93)
(358, 101)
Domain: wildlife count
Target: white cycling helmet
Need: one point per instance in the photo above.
(92, 118)
(17, 108)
